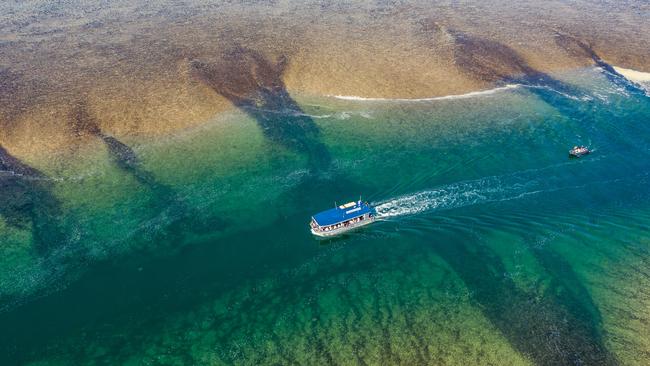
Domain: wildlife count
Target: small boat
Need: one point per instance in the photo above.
(342, 218)
(579, 151)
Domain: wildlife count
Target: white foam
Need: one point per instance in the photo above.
(454, 195)
(9, 172)
(446, 97)
(484, 190)
(545, 87)
(46, 178)
(488, 189)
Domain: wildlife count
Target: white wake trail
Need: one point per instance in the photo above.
(489, 189)
(455, 195)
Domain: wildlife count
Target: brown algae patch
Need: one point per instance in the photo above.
(132, 63)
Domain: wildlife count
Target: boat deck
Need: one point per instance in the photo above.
(342, 218)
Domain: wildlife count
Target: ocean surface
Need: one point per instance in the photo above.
(493, 246)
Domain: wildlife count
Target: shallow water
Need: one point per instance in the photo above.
(493, 246)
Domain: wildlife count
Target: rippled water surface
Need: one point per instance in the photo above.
(493, 246)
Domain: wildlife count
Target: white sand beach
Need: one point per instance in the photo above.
(633, 75)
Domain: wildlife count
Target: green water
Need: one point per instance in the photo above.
(493, 248)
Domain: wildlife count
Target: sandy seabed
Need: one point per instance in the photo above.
(150, 68)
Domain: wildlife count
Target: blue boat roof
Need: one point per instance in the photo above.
(342, 213)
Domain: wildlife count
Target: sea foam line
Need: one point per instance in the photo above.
(445, 97)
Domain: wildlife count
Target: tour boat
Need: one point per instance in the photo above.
(342, 218)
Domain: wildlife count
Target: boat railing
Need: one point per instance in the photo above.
(342, 223)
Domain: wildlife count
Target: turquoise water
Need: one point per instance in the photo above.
(493, 246)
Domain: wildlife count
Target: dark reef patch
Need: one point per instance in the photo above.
(550, 329)
(565, 320)
(166, 199)
(120, 154)
(27, 202)
(489, 60)
(580, 48)
(493, 61)
(486, 59)
(254, 84)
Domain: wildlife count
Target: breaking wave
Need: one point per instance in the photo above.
(582, 98)
(446, 97)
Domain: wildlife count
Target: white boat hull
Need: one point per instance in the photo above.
(343, 229)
